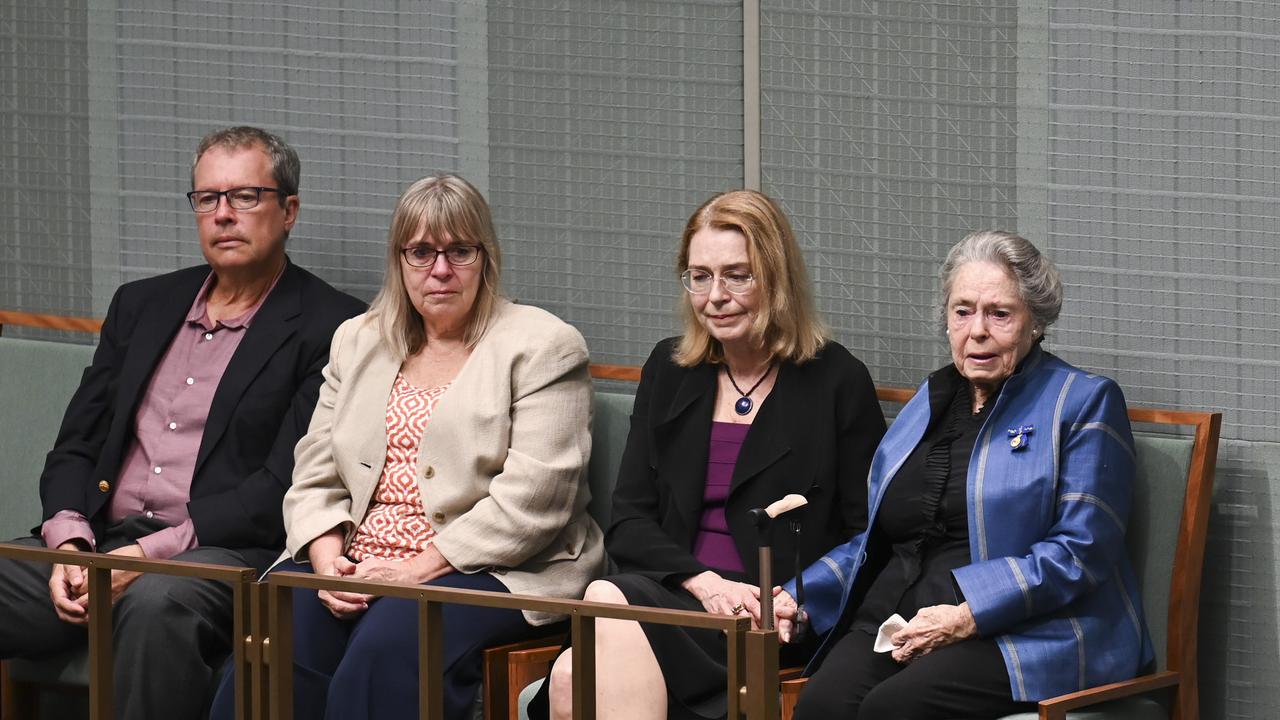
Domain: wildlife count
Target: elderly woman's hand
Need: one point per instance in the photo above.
(724, 597)
(933, 627)
(785, 612)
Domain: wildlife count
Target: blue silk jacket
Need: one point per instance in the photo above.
(1049, 488)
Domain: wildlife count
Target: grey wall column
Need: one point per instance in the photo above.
(473, 92)
(104, 154)
(751, 94)
(1033, 121)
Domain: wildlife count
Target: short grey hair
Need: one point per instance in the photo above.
(1038, 281)
(286, 168)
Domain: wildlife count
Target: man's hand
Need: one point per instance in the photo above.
(69, 585)
(66, 584)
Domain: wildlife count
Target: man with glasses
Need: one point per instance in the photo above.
(178, 444)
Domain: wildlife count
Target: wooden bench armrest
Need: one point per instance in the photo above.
(509, 668)
(1057, 708)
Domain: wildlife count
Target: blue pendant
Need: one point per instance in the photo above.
(743, 406)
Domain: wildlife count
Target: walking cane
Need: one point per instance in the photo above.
(763, 519)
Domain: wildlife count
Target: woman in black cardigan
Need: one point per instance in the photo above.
(753, 402)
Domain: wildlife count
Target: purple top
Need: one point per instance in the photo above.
(155, 476)
(713, 545)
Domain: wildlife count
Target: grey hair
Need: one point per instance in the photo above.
(286, 168)
(1038, 281)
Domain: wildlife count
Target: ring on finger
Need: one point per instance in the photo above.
(737, 609)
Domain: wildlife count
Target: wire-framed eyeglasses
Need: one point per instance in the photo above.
(699, 282)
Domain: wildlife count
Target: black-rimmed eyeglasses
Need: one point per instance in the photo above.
(425, 256)
(241, 198)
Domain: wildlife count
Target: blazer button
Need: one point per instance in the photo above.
(429, 472)
(437, 516)
(103, 486)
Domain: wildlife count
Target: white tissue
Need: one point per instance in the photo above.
(887, 629)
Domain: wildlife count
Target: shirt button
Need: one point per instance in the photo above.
(208, 336)
(437, 516)
(429, 472)
(149, 514)
(157, 470)
(191, 381)
(173, 426)
(103, 486)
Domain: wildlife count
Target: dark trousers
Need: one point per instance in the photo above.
(965, 680)
(170, 634)
(368, 667)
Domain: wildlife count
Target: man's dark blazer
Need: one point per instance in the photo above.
(261, 407)
(814, 434)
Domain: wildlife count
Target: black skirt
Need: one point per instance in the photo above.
(694, 661)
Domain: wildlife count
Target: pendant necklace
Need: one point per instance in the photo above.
(744, 404)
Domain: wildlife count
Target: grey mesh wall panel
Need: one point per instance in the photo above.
(1137, 142)
(366, 95)
(1163, 153)
(609, 123)
(44, 189)
(1162, 167)
(888, 132)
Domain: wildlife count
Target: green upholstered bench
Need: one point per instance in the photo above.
(37, 379)
(1166, 528)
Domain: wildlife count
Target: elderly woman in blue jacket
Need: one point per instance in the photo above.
(993, 572)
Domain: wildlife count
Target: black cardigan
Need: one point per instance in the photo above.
(814, 434)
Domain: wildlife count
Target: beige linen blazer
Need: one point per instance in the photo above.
(501, 465)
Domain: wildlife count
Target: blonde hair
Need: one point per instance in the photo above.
(439, 207)
(786, 325)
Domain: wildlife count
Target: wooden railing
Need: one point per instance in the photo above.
(751, 686)
(98, 566)
(263, 629)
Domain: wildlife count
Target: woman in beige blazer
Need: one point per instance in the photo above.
(449, 447)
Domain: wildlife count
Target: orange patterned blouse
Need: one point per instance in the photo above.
(396, 526)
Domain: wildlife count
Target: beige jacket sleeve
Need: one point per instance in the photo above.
(539, 488)
(318, 493)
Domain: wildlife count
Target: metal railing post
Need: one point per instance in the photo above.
(280, 651)
(430, 661)
(582, 629)
(101, 677)
(762, 671)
